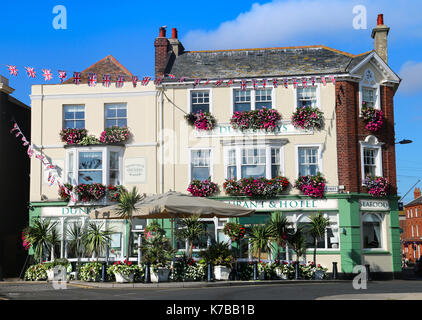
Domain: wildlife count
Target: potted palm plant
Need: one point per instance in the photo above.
(278, 228)
(191, 229)
(221, 256)
(318, 227)
(260, 238)
(39, 235)
(297, 241)
(75, 235)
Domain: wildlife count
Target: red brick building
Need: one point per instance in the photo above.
(412, 228)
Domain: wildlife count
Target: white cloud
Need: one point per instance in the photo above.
(299, 22)
(411, 73)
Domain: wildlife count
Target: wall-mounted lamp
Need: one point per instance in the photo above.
(404, 141)
(344, 231)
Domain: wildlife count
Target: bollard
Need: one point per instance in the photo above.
(209, 273)
(368, 272)
(296, 271)
(335, 271)
(255, 270)
(147, 274)
(103, 272)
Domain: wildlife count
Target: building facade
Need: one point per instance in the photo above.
(14, 191)
(166, 153)
(412, 228)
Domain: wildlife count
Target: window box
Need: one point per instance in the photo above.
(115, 135)
(202, 188)
(73, 136)
(201, 120)
(312, 186)
(256, 187)
(256, 119)
(372, 117)
(307, 117)
(377, 186)
(90, 192)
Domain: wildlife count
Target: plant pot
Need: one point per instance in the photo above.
(121, 278)
(221, 272)
(281, 275)
(160, 275)
(318, 275)
(56, 274)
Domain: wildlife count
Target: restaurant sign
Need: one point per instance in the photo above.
(375, 205)
(287, 205)
(66, 211)
(283, 128)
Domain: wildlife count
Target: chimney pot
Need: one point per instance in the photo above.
(380, 20)
(162, 33)
(174, 33)
(417, 193)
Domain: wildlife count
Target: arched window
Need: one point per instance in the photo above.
(371, 229)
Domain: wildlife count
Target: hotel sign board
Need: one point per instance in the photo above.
(66, 211)
(222, 130)
(374, 205)
(135, 170)
(287, 205)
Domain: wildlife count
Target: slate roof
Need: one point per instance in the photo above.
(109, 65)
(414, 202)
(265, 62)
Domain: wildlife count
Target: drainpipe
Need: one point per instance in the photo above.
(161, 99)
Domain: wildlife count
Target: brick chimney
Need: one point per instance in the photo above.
(161, 45)
(176, 45)
(417, 193)
(379, 34)
(4, 85)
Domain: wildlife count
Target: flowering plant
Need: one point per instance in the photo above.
(90, 271)
(312, 186)
(308, 271)
(73, 135)
(63, 195)
(201, 120)
(372, 117)
(114, 192)
(235, 231)
(256, 119)
(115, 135)
(307, 117)
(90, 192)
(377, 186)
(87, 140)
(188, 269)
(26, 241)
(125, 268)
(36, 272)
(256, 187)
(203, 188)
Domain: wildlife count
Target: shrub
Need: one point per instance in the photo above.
(36, 272)
(90, 271)
(185, 268)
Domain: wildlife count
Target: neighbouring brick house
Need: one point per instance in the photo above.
(14, 189)
(412, 228)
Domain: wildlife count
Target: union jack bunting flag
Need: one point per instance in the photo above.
(134, 81)
(106, 80)
(324, 81)
(333, 79)
(243, 85)
(18, 134)
(92, 79)
(229, 83)
(172, 76)
(254, 84)
(13, 70)
(264, 83)
(304, 82)
(25, 142)
(15, 127)
(30, 71)
(313, 81)
(46, 73)
(158, 80)
(182, 79)
(120, 81)
(294, 83)
(197, 81)
(62, 75)
(30, 152)
(206, 82)
(145, 81)
(286, 83)
(76, 77)
(218, 83)
(275, 83)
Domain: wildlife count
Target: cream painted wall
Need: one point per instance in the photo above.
(177, 174)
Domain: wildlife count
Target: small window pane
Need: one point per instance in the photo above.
(116, 115)
(200, 164)
(306, 97)
(371, 231)
(74, 116)
(242, 100)
(308, 161)
(200, 101)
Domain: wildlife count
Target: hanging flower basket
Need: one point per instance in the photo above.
(372, 117)
(114, 192)
(204, 188)
(62, 194)
(266, 119)
(73, 136)
(312, 186)
(308, 118)
(377, 186)
(201, 120)
(256, 187)
(90, 192)
(115, 135)
(234, 230)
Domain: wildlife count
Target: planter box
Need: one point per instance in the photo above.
(221, 273)
(318, 275)
(160, 275)
(56, 274)
(120, 278)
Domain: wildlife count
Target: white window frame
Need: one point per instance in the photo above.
(114, 103)
(319, 146)
(105, 150)
(73, 105)
(369, 81)
(372, 143)
(383, 233)
(211, 161)
(318, 95)
(249, 86)
(241, 146)
(210, 94)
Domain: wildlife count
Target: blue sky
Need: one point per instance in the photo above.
(127, 31)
